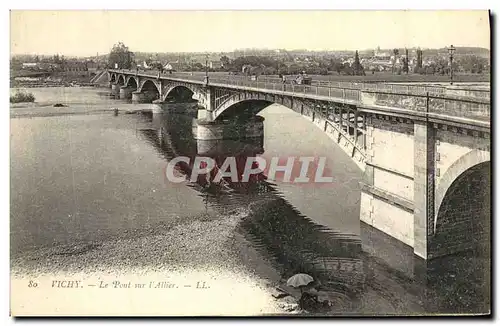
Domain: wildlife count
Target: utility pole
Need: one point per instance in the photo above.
(451, 50)
(206, 69)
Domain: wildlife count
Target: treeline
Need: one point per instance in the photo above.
(21, 97)
(466, 64)
(262, 65)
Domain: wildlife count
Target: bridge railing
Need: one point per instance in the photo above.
(472, 108)
(397, 96)
(383, 87)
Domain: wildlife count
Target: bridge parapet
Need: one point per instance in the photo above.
(454, 106)
(407, 97)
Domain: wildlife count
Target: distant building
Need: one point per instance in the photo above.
(92, 66)
(171, 66)
(381, 55)
(30, 65)
(215, 64)
(75, 66)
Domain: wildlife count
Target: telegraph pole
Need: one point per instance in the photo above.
(451, 50)
(206, 69)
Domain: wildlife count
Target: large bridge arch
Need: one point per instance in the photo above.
(460, 166)
(246, 105)
(132, 81)
(149, 85)
(112, 78)
(149, 91)
(242, 108)
(463, 209)
(179, 92)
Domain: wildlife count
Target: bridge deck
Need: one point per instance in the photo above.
(415, 100)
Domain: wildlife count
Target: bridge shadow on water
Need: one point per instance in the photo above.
(356, 281)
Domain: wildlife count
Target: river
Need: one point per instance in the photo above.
(89, 199)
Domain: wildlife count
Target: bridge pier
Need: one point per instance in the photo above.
(228, 129)
(423, 186)
(115, 89)
(144, 97)
(204, 114)
(138, 97)
(189, 108)
(126, 92)
(387, 196)
(158, 107)
(213, 148)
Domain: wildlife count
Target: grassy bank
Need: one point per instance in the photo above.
(22, 97)
(53, 79)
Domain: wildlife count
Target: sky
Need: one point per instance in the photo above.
(85, 33)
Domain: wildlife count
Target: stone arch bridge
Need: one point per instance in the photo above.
(425, 154)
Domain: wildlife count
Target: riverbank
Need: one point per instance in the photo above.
(54, 79)
(71, 101)
(32, 110)
(179, 251)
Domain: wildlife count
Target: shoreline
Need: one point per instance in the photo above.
(205, 248)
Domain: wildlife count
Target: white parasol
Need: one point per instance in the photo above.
(299, 280)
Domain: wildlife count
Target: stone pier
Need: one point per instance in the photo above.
(126, 92)
(228, 129)
(229, 147)
(158, 107)
(115, 89)
(137, 97)
(144, 97)
(189, 108)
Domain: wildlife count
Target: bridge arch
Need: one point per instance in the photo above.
(149, 85)
(460, 166)
(463, 210)
(112, 78)
(131, 81)
(241, 108)
(179, 92)
(149, 91)
(244, 106)
(121, 80)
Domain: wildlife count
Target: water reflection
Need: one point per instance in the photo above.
(356, 281)
(291, 240)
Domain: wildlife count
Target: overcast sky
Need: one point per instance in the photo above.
(91, 32)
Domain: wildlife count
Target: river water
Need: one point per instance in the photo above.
(89, 198)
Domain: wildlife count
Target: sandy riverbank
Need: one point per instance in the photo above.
(45, 109)
(185, 253)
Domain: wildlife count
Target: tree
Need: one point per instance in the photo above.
(198, 67)
(472, 63)
(56, 59)
(156, 65)
(225, 62)
(405, 63)
(396, 53)
(338, 67)
(120, 55)
(357, 67)
(419, 59)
